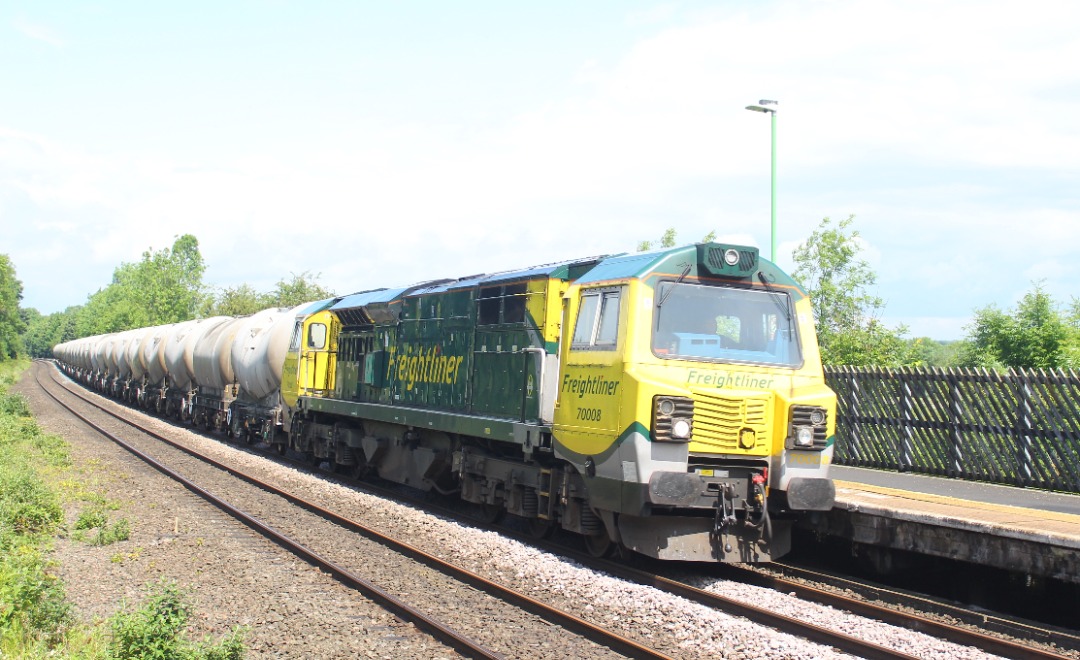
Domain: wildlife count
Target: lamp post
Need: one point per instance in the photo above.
(765, 105)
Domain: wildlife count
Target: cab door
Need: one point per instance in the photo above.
(317, 355)
(591, 383)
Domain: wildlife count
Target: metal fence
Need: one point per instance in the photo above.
(1019, 428)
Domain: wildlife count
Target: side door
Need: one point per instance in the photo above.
(317, 355)
(591, 384)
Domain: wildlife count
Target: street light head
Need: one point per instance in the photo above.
(758, 108)
(768, 102)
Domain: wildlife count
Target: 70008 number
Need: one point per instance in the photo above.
(589, 414)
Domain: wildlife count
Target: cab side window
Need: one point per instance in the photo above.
(317, 336)
(597, 326)
(294, 341)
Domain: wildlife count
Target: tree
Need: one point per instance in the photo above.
(236, 301)
(165, 287)
(168, 283)
(668, 240)
(11, 322)
(927, 352)
(299, 289)
(1035, 336)
(839, 284)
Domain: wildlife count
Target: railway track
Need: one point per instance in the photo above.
(451, 635)
(978, 628)
(791, 625)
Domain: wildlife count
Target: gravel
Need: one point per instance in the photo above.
(241, 579)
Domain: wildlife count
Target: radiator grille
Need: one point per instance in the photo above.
(719, 421)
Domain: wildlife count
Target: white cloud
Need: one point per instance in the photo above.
(38, 32)
(877, 100)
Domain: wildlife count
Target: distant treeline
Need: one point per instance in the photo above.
(165, 286)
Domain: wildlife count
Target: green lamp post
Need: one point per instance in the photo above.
(765, 105)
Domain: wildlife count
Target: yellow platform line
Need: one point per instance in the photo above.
(966, 504)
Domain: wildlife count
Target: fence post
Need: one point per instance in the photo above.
(1025, 474)
(907, 432)
(956, 417)
(856, 437)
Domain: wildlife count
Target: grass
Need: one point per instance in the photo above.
(36, 620)
(155, 630)
(34, 614)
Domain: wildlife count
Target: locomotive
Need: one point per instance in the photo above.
(671, 403)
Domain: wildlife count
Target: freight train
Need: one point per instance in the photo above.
(671, 403)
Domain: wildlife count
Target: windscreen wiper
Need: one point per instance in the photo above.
(685, 272)
(786, 309)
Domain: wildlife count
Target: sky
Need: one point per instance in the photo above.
(383, 143)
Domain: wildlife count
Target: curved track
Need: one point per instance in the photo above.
(457, 640)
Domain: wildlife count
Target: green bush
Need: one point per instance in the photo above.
(118, 531)
(32, 604)
(153, 631)
(14, 405)
(27, 506)
(91, 519)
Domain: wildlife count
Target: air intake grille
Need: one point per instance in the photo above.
(719, 421)
(711, 258)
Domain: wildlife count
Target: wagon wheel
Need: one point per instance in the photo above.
(541, 528)
(599, 545)
(491, 513)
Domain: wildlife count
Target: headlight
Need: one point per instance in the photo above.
(804, 437)
(807, 427)
(731, 257)
(673, 418)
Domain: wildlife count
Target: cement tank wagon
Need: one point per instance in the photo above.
(259, 353)
(152, 354)
(212, 355)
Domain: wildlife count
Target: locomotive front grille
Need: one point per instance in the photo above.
(721, 422)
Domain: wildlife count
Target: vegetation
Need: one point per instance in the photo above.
(155, 630)
(35, 618)
(1036, 335)
(165, 286)
(243, 299)
(96, 519)
(11, 322)
(839, 283)
(33, 612)
(668, 240)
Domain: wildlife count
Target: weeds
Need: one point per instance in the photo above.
(35, 618)
(33, 612)
(96, 518)
(155, 629)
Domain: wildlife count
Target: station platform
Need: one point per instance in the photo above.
(1019, 529)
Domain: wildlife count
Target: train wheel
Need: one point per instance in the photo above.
(599, 545)
(491, 513)
(540, 528)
